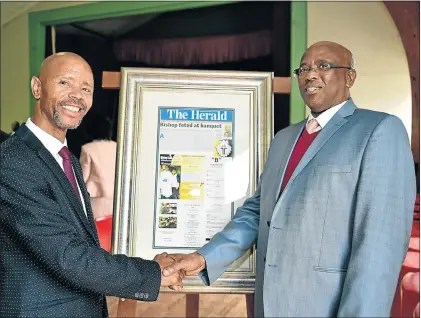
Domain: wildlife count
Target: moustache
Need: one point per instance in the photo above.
(73, 102)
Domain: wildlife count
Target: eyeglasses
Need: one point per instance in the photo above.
(322, 68)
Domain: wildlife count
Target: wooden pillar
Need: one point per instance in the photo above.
(250, 305)
(406, 15)
(126, 308)
(192, 305)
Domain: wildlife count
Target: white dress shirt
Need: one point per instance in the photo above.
(327, 115)
(54, 146)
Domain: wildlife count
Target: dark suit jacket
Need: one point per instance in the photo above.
(51, 264)
(3, 136)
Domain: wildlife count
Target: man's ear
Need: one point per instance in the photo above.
(351, 75)
(36, 87)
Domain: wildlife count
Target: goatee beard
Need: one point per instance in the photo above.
(60, 124)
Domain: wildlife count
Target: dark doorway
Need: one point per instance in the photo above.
(96, 42)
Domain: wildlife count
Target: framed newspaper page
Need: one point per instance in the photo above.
(191, 148)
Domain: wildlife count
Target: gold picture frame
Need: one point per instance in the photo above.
(145, 94)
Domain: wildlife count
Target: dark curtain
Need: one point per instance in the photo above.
(101, 121)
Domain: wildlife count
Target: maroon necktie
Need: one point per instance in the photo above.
(68, 170)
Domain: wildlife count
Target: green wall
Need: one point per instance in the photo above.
(15, 77)
(298, 46)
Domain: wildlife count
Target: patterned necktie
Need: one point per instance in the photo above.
(68, 170)
(312, 126)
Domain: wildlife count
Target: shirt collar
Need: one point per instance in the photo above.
(50, 142)
(327, 115)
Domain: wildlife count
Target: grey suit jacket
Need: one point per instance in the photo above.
(333, 243)
(51, 264)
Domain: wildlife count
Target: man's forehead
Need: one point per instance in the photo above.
(328, 51)
(63, 63)
(72, 66)
(70, 70)
(318, 54)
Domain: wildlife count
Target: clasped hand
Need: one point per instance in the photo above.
(174, 267)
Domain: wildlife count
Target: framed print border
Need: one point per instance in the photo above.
(136, 83)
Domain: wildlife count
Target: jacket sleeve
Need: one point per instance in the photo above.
(237, 237)
(31, 217)
(382, 222)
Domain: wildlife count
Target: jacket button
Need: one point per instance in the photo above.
(268, 223)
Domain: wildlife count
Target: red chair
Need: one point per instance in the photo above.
(104, 227)
(411, 294)
(406, 301)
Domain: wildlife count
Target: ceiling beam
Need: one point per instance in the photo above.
(406, 16)
(281, 85)
(76, 26)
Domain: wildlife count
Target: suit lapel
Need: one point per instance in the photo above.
(327, 132)
(67, 187)
(32, 141)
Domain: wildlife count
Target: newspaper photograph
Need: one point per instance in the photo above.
(195, 150)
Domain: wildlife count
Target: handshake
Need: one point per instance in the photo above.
(174, 267)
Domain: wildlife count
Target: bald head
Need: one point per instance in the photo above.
(343, 54)
(326, 74)
(53, 63)
(64, 91)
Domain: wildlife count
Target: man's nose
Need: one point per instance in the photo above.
(311, 75)
(76, 93)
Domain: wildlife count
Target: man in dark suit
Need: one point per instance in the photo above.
(51, 263)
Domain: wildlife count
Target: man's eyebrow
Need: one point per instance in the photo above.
(69, 77)
(317, 62)
(87, 84)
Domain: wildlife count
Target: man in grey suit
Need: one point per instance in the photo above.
(333, 210)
